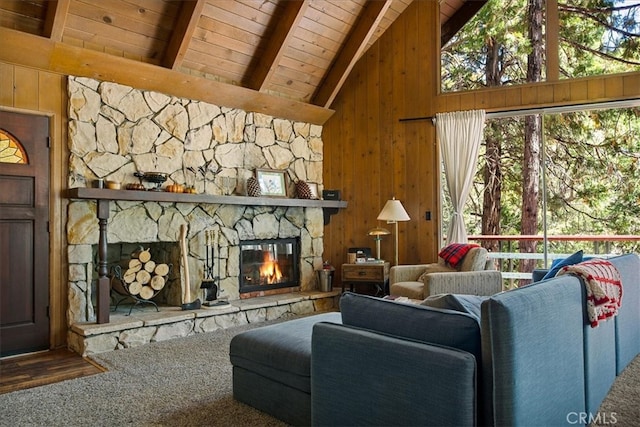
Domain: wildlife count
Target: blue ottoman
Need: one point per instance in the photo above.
(272, 368)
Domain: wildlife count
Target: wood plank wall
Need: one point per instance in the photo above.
(30, 91)
(372, 155)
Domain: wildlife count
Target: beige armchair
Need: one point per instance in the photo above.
(475, 275)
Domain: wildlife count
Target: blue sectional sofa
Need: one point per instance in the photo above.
(518, 358)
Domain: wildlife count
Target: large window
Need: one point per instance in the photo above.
(505, 43)
(582, 184)
(598, 37)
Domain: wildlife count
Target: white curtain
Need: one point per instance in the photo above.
(460, 135)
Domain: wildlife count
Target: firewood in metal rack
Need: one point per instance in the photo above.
(143, 277)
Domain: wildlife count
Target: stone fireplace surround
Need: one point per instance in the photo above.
(116, 130)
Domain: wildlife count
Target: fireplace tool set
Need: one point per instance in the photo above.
(211, 284)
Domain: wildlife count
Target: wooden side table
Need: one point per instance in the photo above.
(373, 273)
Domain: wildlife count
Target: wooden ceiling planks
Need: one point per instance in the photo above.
(281, 36)
(186, 24)
(300, 50)
(23, 16)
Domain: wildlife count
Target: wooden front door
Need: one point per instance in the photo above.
(24, 237)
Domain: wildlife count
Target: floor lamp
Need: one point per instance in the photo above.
(392, 212)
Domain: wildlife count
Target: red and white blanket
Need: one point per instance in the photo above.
(603, 285)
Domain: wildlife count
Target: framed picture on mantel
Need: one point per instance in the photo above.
(272, 182)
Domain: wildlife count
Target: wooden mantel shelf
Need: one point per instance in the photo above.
(164, 196)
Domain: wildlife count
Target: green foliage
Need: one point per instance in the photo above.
(596, 37)
(464, 58)
(592, 159)
(599, 37)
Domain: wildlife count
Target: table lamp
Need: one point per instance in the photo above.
(377, 234)
(392, 212)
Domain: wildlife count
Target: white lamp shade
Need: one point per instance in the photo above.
(393, 211)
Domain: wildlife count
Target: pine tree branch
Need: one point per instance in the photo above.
(588, 13)
(598, 53)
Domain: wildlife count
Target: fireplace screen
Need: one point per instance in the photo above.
(268, 264)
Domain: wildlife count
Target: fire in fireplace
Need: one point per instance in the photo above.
(269, 264)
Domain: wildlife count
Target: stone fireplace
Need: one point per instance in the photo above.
(115, 131)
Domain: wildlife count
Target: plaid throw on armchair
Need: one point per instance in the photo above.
(455, 252)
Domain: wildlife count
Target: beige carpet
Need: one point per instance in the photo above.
(187, 382)
(182, 382)
(621, 407)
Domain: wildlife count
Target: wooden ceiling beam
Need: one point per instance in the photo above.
(42, 53)
(186, 24)
(355, 45)
(278, 42)
(459, 19)
(55, 19)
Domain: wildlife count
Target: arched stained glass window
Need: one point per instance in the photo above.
(11, 151)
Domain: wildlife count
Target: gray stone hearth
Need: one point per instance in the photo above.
(145, 324)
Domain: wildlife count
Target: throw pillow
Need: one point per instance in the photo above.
(469, 304)
(434, 268)
(413, 321)
(558, 264)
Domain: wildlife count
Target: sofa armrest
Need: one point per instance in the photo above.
(485, 282)
(411, 273)
(359, 377)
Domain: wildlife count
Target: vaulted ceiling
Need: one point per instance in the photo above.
(300, 50)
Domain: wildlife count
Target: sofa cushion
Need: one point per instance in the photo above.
(470, 304)
(360, 377)
(412, 290)
(418, 322)
(435, 268)
(557, 265)
(476, 260)
(533, 354)
(628, 318)
(281, 352)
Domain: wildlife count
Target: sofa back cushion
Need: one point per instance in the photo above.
(470, 304)
(533, 354)
(360, 377)
(474, 260)
(627, 332)
(432, 325)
